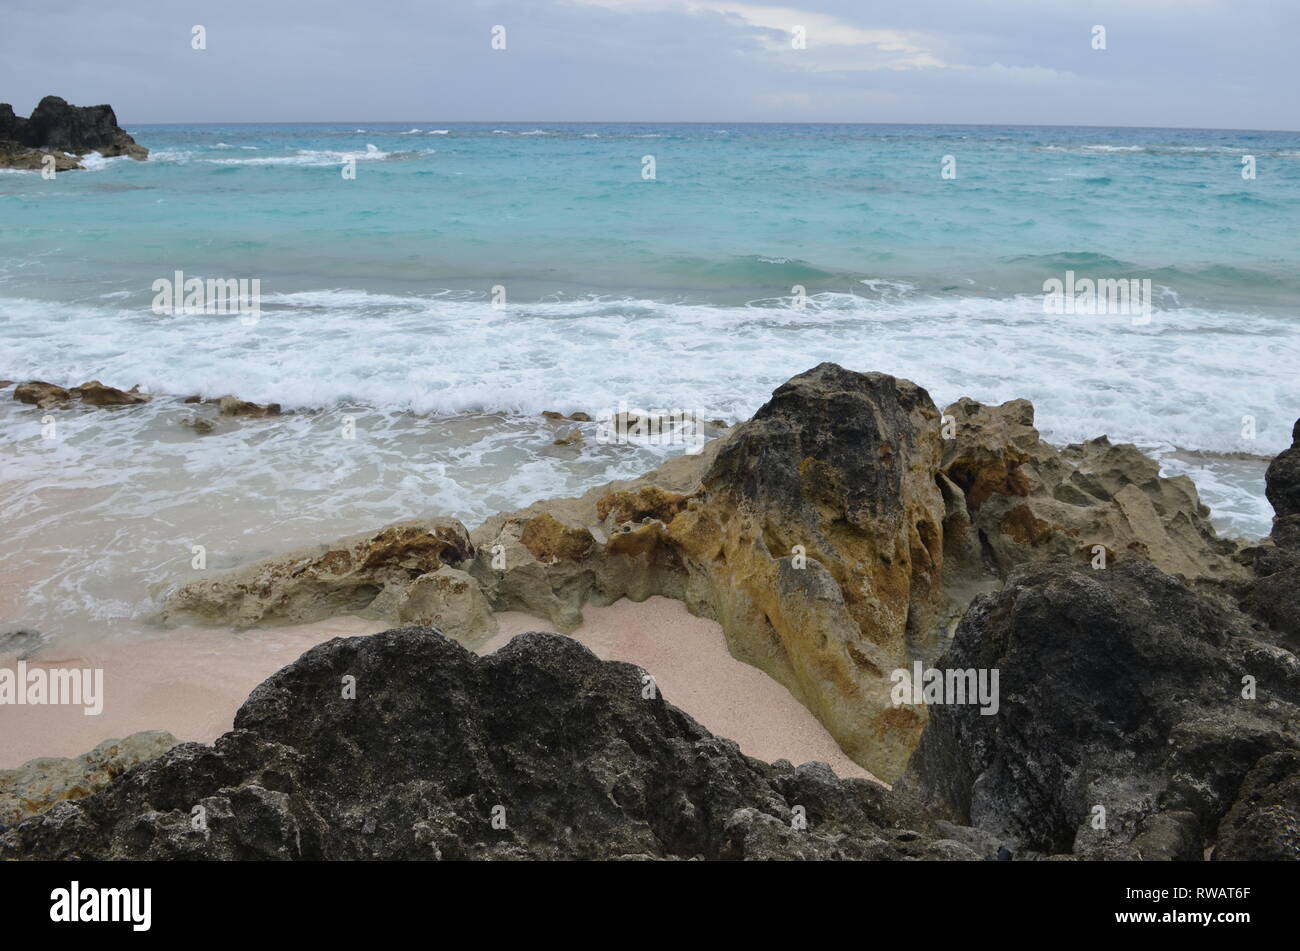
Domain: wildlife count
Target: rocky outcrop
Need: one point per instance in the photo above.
(1272, 595)
(1264, 823)
(404, 572)
(40, 783)
(64, 131)
(1012, 498)
(816, 541)
(1133, 710)
(404, 745)
(836, 537)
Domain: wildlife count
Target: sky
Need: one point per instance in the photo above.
(1187, 63)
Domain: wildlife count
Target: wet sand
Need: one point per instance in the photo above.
(191, 681)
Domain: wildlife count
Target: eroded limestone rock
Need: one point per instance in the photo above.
(367, 574)
(40, 783)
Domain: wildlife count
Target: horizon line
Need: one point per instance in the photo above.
(1004, 125)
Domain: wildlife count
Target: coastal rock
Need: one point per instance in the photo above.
(43, 395)
(816, 541)
(540, 751)
(65, 131)
(366, 574)
(1282, 479)
(198, 424)
(836, 537)
(97, 394)
(20, 157)
(1131, 711)
(234, 406)
(1272, 596)
(1012, 498)
(1264, 823)
(549, 540)
(451, 601)
(40, 783)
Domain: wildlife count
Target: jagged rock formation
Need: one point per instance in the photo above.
(396, 574)
(1121, 690)
(63, 131)
(40, 783)
(1012, 499)
(1273, 594)
(835, 537)
(564, 750)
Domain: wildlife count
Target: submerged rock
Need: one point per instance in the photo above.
(540, 750)
(40, 783)
(234, 406)
(1132, 710)
(198, 424)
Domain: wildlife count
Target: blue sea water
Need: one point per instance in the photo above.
(903, 266)
(677, 291)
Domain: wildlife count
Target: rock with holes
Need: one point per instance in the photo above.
(1131, 711)
(367, 574)
(1012, 498)
(540, 750)
(41, 783)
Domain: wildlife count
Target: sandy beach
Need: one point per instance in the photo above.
(191, 681)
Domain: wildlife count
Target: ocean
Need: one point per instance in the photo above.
(473, 275)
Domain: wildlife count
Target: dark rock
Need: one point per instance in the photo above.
(64, 131)
(1264, 822)
(1282, 480)
(55, 124)
(1273, 595)
(1120, 688)
(436, 739)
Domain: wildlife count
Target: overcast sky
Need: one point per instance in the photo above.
(1200, 63)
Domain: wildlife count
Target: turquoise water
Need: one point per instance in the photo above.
(671, 293)
(735, 212)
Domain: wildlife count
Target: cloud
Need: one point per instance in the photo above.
(832, 44)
